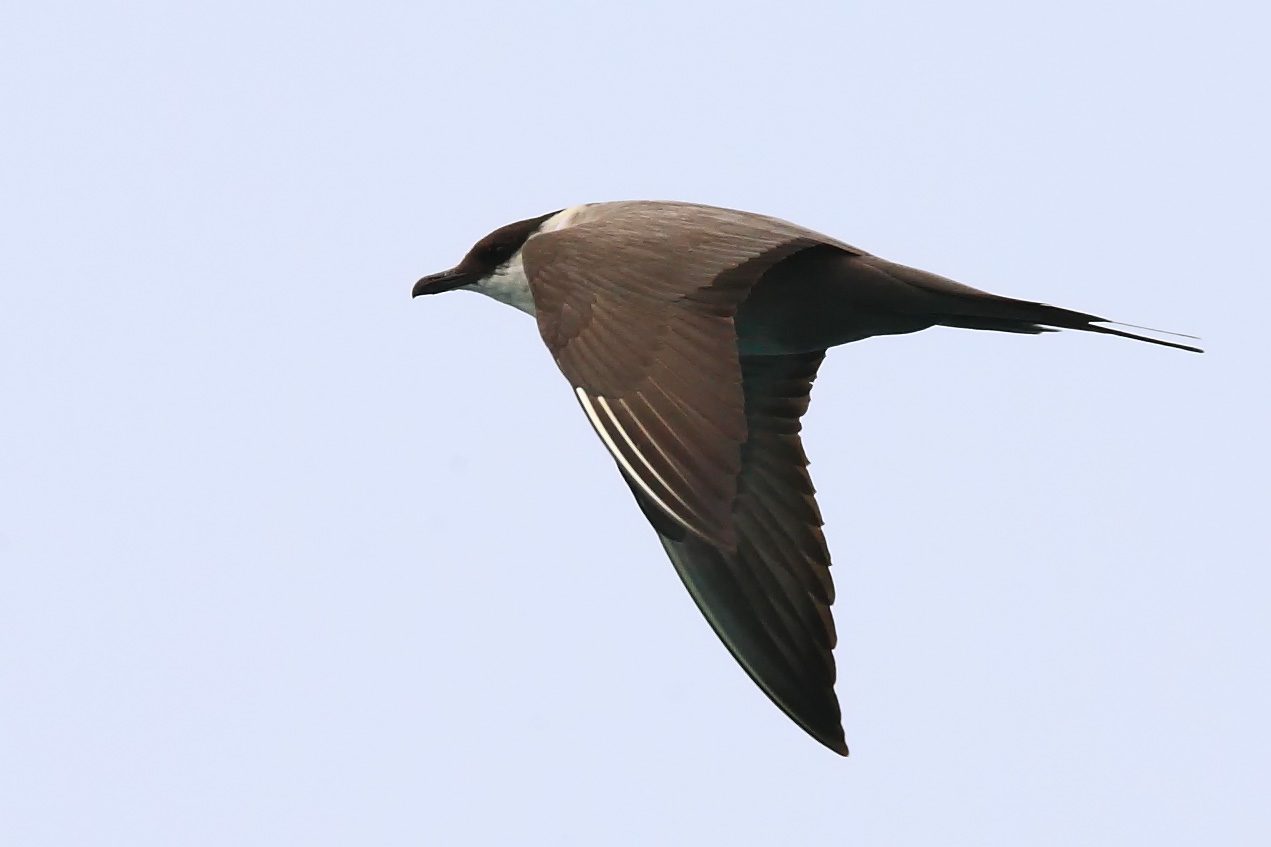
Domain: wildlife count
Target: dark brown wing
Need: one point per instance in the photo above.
(636, 303)
(769, 601)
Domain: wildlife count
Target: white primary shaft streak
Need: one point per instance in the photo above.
(603, 432)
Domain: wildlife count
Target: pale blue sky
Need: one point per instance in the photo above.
(286, 558)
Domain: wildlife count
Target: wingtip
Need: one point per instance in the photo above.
(830, 736)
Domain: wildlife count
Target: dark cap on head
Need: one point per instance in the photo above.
(484, 258)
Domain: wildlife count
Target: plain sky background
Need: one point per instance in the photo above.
(287, 558)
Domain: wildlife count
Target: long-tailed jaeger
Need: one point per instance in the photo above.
(691, 336)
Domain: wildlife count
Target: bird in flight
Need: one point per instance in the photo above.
(691, 336)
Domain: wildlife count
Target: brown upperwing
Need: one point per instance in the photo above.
(635, 302)
(769, 601)
(639, 318)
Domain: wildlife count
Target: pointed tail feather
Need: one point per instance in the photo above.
(1008, 315)
(963, 306)
(1093, 324)
(1107, 330)
(1004, 314)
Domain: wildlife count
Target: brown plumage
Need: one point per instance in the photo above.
(692, 336)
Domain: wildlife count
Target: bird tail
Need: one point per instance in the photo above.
(969, 308)
(1066, 320)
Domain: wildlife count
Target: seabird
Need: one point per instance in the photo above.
(691, 336)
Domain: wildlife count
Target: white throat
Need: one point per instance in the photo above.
(509, 284)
